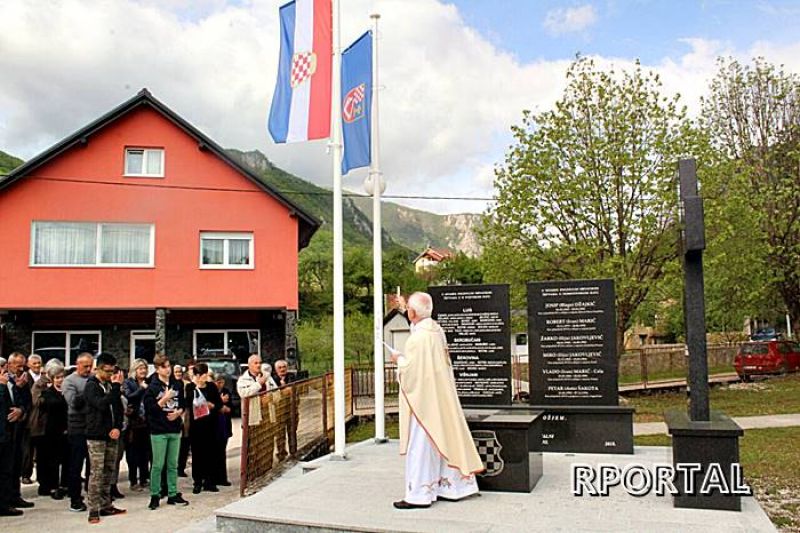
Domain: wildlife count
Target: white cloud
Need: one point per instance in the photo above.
(570, 19)
(450, 95)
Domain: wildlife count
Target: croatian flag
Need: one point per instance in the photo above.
(301, 105)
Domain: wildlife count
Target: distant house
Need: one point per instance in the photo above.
(138, 234)
(638, 336)
(430, 258)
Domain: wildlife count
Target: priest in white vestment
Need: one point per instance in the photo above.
(441, 458)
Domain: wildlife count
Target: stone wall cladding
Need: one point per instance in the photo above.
(17, 336)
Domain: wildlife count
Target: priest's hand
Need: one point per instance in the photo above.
(394, 355)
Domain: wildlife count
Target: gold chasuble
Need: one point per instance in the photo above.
(428, 392)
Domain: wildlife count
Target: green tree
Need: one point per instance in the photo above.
(315, 342)
(752, 116)
(398, 271)
(460, 269)
(588, 189)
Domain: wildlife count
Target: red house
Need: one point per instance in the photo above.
(139, 234)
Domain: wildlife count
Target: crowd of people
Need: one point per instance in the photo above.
(74, 427)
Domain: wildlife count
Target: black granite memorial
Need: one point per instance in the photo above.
(506, 441)
(699, 436)
(573, 367)
(476, 321)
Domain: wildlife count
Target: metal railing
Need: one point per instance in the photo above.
(364, 387)
(639, 369)
(663, 363)
(297, 422)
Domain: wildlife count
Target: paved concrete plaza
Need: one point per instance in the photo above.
(51, 515)
(357, 495)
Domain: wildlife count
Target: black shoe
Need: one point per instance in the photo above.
(112, 511)
(196, 489)
(402, 504)
(183, 473)
(225, 483)
(42, 491)
(77, 507)
(210, 488)
(11, 511)
(94, 517)
(57, 494)
(26, 481)
(177, 500)
(153, 503)
(115, 493)
(19, 503)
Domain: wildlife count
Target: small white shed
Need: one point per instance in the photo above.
(396, 330)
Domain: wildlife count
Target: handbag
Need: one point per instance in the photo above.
(200, 405)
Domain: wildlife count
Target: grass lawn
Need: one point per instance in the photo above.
(366, 430)
(776, 395)
(771, 462)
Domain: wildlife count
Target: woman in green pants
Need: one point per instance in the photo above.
(164, 404)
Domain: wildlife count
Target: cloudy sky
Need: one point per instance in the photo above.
(455, 75)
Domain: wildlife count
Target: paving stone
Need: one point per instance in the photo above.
(357, 495)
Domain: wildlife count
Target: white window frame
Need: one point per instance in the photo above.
(224, 337)
(98, 246)
(226, 236)
(145, 153)
(67, 336)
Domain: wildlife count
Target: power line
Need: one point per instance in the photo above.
(281, 191)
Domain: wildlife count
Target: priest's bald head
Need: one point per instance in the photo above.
(420, 306)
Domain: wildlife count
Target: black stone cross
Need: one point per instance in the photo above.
(694, 242)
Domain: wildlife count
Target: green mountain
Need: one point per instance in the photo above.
(8, 163)
(317, 200)
(417, 229)
(410, 228)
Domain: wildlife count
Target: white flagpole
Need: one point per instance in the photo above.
(377, 247)
(338, 258)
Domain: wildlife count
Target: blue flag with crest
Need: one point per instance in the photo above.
(356, 103)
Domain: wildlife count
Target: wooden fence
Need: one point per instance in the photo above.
(297, 422)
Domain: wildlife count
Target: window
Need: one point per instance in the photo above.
(226, 250)
(217, 342)
(785, 347)
(92, 244)
(143, 346)
(65, 345)
(144, 162)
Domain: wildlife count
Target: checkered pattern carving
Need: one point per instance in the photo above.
(489, 449)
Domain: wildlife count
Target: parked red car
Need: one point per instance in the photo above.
(771, 357)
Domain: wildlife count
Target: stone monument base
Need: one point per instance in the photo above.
(705, 443)
(505, 439)
(585, 428)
